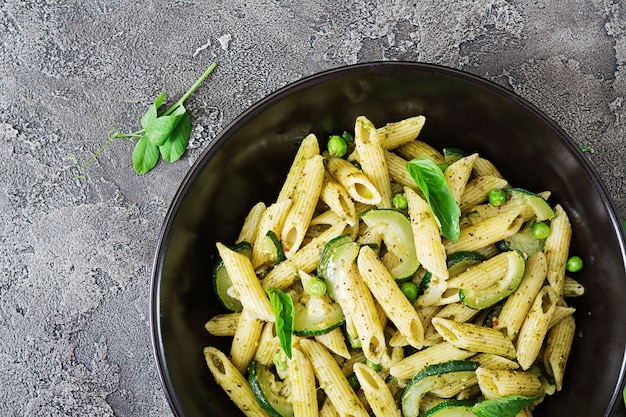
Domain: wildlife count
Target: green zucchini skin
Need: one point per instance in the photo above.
(397, 233)
(259, 380)
(434, 376)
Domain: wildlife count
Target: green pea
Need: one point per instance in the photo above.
(374, 366)
(540, 230)
(574, 264)
(354, 382)
(399, 202)
(497, 197)
(409, 289)
(337, 146)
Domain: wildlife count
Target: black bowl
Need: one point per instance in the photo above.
(248, 161)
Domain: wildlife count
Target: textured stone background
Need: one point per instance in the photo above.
(77, 254)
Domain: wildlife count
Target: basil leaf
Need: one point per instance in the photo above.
(284, 312)
(430, 179)
(503, 407)
(145, 155)
(161, 128)
(151, 114)
(175, 146)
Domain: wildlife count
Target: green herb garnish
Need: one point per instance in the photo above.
(586, 148)
(165, 135)
(508, 406)
(284, 312)
(430, 179)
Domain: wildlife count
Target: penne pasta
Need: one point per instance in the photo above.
(557, 249)
(308, 148)
(558, 347)
(223, 324)
(251, 222)
(245, 340)
(246, 284)
(376, 391)
(386, 291)
(535, 327)
(232, 382)
(395, 134)
(428, 246)
(332, 380)
(474, 338)
(303, 387)
(304, 197)
(372, 158)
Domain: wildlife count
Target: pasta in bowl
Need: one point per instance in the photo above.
(402, 340)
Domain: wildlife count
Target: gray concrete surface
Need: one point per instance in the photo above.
(76, 254)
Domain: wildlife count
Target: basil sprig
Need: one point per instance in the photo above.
(508, 406)
(430, 179)
(284, 312)
(165, 135)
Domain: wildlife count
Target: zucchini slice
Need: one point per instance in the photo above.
(397, 233)
(451, 155)
(460, 261)
(279, 252)
(540, 206)
(432, 377)
(525, 242)
(486, 297)
(339, 260)
(222, 282)
(315, 316)
(452, 408)
(322, 264)
(261, 381)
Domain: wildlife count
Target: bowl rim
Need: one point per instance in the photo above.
(322, 76)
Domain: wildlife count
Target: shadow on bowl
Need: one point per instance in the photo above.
(248, 161)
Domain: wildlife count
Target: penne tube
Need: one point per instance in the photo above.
(484, 167)
(376, 392)
(250, 224)
(245, 340)
(335, 342)
(496, 383)
(535, 327)
(338, 199)
(304, 197)
(390, 297)
(372, 159)
(395, 134)
(232, 382)
(457, 175)
(477, 190)
(428, 246)
(303, 388)
(517, 305)
(268, 345)
(246, 284)
(223, 324)
(486, 232)
(356, 183)
(419, 149)
(558, 347)
(397, 170)
(308, 148)
(474, 338)
(556, 249)
(332, 380)
(439, 353)
(272, 219)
